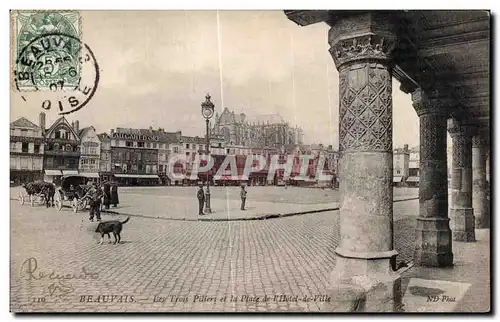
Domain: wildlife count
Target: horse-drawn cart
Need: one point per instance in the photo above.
(73, 189)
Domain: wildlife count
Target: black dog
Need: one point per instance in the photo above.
(114, 226)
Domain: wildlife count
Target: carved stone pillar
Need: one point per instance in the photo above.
(480, 192)
(361, 47)
(433, 244)
(461, 211)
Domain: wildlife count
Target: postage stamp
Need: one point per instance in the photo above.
(52, 68)
(48, 62)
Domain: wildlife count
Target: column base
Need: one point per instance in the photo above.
(364, 285)
(433, 245)
(464, 224)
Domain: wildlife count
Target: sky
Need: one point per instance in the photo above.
(157, 66)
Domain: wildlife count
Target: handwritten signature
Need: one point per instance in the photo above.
(61, 287)
(30, 266)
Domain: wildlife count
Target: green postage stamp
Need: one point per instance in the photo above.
(47, 49)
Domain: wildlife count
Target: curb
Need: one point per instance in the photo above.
(258, 217)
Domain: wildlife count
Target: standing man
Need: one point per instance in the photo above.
(107, 194)
(243, 195)
(95, 194)
(201, 200)
(114, 194)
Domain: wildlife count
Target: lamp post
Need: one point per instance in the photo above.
(207, 110)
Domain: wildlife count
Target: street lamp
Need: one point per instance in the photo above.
(207, 110)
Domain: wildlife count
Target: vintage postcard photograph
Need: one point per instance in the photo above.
(253, 161)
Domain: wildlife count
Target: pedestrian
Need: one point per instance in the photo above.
(106, 200)
(243, 195)
(114, 194)
(94, 202)
(201, 200)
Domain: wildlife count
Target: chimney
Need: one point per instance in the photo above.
(405, 147)
(41, 121)
(112, 131)
(76, 126)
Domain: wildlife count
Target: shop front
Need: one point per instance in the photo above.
(52, 176)
(18, 177)
(138, 179)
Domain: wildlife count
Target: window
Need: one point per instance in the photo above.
(140, 144)
(57, 134)
(227, 151)
(25, 147)
(128, 143)
(24, 163)
(398, 172)
(24, 132)
(12, 146)
(69, 147)
(220, 145)
(176, 149)
(160, 167)
(127, 155)
(134, 167)
(154, 145)
(187, 145)
(138, 156)
(139, 168)
(187, 154)
(148, 145)
(49, 162)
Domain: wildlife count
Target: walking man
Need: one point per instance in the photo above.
(201, 200)
(243, 195)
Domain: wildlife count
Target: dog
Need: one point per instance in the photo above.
(114, 226)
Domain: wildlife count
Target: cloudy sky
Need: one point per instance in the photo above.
(156, 68)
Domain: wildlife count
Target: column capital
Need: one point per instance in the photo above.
(368, 36)
(456, 128)
(425, 102)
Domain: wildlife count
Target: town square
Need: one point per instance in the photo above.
(250, 161)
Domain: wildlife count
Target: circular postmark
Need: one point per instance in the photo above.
(56, 71)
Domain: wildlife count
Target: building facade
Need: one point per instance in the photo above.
(134, 156)
(26, 150)
(62, 149)
(90, 153)
(401, 165)
(414, 168)
(105, 173)
(264, 130)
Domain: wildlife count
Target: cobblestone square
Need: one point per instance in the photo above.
(171, 265)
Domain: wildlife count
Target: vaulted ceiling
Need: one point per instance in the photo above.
(444, 51)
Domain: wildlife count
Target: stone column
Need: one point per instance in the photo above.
(433, 244)
(363, 278)
(461, 211)
(480, 201)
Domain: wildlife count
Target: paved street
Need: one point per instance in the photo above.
(169, 265)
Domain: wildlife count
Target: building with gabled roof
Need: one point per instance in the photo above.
(26, 150)
(62, 149)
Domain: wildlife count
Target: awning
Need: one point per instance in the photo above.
(53, 172)
(90, 175)
(138, 176)
(397, 179)
(413, 179)
(70, 172)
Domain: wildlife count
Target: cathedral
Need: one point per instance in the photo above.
(256, 132)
